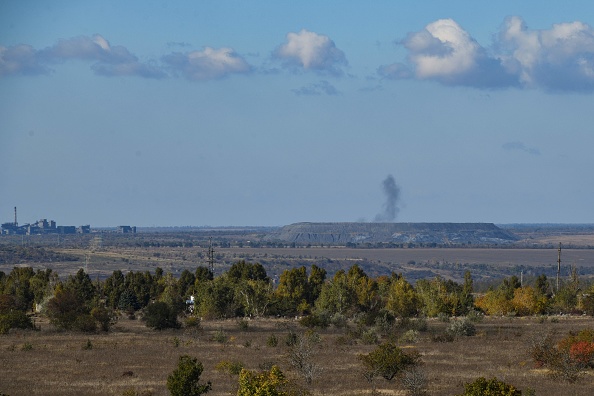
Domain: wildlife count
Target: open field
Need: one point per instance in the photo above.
(484, 263)
(132, 356)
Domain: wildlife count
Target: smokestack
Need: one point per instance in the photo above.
(15, 218)
(392, 192)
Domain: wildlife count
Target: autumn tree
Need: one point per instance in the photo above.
(403, 300)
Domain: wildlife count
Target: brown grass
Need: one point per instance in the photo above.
(135, 357)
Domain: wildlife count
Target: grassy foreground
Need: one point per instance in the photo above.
(133, 357)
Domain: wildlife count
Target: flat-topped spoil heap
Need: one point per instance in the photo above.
(426, 233)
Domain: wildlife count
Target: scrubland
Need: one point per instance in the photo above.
(131, 357)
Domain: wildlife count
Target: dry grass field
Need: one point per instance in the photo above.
(131, 356)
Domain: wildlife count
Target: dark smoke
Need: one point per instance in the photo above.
(391, 209)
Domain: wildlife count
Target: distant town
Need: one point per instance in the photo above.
(44, 226)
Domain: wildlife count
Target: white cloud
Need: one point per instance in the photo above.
(109, 60)
(207, 64)
(20, 59)
(311, 51)
(560, 58)
(557, 59)
(445, 52)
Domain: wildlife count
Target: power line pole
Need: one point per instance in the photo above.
(210, 256)
(558, 265)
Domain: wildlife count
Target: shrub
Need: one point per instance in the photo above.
(414, 381)
(88, 346)
(369, 337)
(220, 336)
(193, 322)
(387, 360)
(269, 383)
(243, 325)
(185, 379)
(301, 356)
(410, 337)
(444, 337)
(85, 323)
(462, 327)
(160, 315)
(272, 341)
(14, 320)
(229, 367)
(105, 317)
(492, 387)
(558, 360)
(311, 321)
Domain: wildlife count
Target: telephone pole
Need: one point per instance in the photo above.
(558, 265)
(210, 256)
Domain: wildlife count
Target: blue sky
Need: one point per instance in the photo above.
(273, 112)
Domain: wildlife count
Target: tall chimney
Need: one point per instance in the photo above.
(15, 218)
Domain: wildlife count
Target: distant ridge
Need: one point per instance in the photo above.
(426, 233)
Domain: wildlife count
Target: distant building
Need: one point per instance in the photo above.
(41, 227)
(84, 229)
(127, 230)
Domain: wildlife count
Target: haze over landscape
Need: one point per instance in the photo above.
(158, 113)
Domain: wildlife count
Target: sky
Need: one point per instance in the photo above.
(266, 113)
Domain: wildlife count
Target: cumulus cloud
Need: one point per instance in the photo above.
(311, 51)
(520, 146)
(557, 59)
(20, 59)
(316, 89)
(207, 64)
(107, 60)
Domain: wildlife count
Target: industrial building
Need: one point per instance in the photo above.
(41, 227)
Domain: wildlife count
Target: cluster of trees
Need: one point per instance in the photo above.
(246, 290)
(513, 298)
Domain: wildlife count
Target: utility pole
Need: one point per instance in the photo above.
(558, 265)
(210, 256)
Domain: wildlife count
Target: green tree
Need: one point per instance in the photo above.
(292, 291)
(160, 315)
(82, 286)
(185, 379)
(113, 287)
(402, 299)
(65, 308)
(315, 282)
(337, 296)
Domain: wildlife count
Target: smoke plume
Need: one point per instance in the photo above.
(392, 192)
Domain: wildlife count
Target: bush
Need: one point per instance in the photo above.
(229, 367)
(462, 327)
(492, 387)
(160, 316)
(311, 321)
(558, 360)
(410, 337)
(85, 323)
(105, 317)
(414, 381)
(15, 320)
(270, 383)
(185, 379)
(387, 360)
(272, 341)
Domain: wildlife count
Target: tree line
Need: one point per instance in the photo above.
(246, 290)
